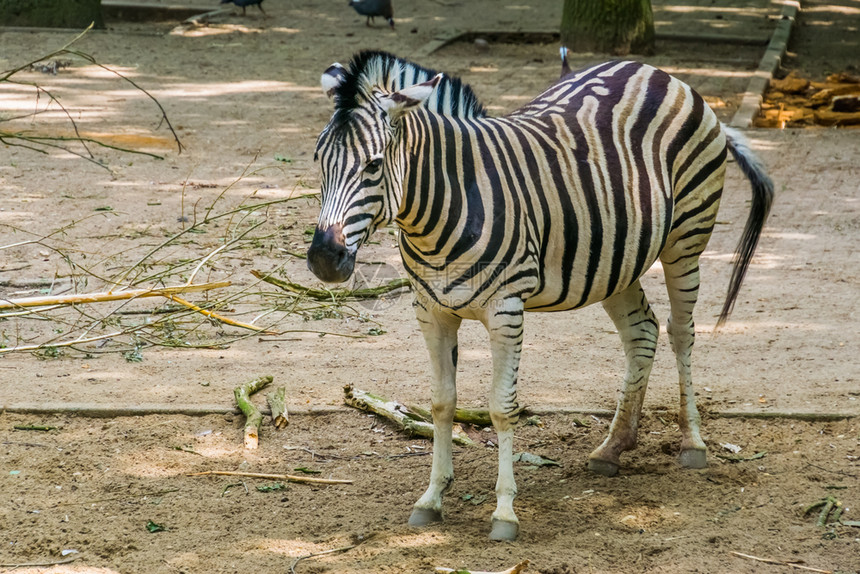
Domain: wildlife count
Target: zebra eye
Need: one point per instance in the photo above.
(373, 166)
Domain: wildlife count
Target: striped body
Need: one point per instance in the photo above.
(545, 207)
(563, 203)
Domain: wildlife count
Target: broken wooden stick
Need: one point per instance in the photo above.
(396, 413)
(336, 294)
(278, 404)
(78, 299)
(521, 567)
(287, 477)
(253, 417)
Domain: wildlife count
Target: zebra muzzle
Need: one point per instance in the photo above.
(328, 257)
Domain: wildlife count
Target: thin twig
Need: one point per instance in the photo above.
(780, 563)
(39, 564)
(288, 477)
(305, 557)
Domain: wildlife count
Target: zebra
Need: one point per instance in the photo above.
(565, 202)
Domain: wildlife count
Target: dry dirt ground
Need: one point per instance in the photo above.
(243, 96)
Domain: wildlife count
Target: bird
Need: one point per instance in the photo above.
(373, 8)
(244, 3)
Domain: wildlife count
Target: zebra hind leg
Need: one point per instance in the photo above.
(638, 328)
(440, 335)
(682, 283)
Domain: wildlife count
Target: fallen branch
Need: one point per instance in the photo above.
(287, 477)
(521, 567)
(278, 404)
(781, 563)
(253, 417)
(333, 294)
(396, 413)
(77, 299)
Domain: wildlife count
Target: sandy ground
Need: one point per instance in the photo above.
(243, 94)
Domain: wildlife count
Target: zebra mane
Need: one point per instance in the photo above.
(371, 70)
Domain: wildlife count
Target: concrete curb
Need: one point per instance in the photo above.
(752, 99)
(110, 411)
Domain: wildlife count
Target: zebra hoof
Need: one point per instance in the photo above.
(603, 467)
(693, 458)
(504, 530)
(424, 516)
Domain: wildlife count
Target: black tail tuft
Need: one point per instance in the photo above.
(762, 198)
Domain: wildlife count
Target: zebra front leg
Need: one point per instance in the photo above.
(638, 328)
(505, 325)
(682, 283)
(440, 335)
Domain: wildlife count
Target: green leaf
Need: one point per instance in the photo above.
(376, 331)
(133, 356)
(307, 470)
(104, 208)
(275, 486)
(152, 527)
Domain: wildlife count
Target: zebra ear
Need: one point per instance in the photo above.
(407, 99)
(332, 78)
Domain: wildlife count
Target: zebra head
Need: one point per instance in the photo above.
(359, 164)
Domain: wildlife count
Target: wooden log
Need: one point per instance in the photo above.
(828, 118)
(253, 417)
(278, 405)
(397, 413)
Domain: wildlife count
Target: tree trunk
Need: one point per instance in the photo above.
(616, 26)
(51, 13)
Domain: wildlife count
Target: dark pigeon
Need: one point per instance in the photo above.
(246, 3)
(374, 8)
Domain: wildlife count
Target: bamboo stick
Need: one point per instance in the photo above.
(253, 417)
(219, 317)
(108, 296)
(477, 417)
(278, 404)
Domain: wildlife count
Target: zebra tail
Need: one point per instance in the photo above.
(762, 198)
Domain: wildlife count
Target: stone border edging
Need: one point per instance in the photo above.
(108, 411)
(752, 99)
